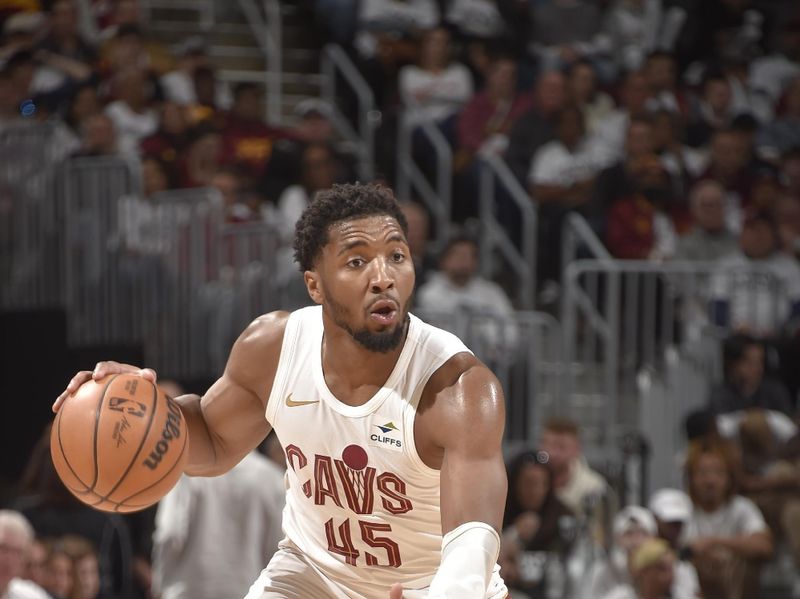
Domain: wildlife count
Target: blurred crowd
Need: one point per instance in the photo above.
(672, 126)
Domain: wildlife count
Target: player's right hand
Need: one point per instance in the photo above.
(101, 370)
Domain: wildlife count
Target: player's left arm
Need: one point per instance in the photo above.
(466, 425)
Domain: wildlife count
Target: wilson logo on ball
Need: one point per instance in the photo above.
(172, 430)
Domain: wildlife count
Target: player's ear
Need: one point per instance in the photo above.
(313, 285)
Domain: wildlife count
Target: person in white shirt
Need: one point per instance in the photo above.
(436, 88)
(132, 115)
(726, 533)
(16, 537)
(376, 17)
(213, 535)
(457, 291)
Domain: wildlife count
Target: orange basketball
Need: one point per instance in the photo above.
(119, 444)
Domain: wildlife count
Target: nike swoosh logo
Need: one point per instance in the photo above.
(293, 404)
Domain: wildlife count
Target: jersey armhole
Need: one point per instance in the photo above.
(288, 347)
(409, 418)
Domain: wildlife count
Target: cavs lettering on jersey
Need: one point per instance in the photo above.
(360, 503)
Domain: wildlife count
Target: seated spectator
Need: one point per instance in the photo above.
(64, 37)
(790, 172)
(612, 132)
(652, 568)
(639, 224)
(636, 28)
(486, 121)
(35, 563)
(786, 212)
(745, 386)
(683, 163)
(179, 84)
(170, 139)
(565, 32)
(85, 569)
(247, 140)
(202, 158)
(665, 93)
(436, 88)
(476, 19)
(83, 103)
(580, 488)
(16, 76)
(205, 108)
(140, 226)
(582, 85)
(538, 530)
(458, 289)
(59, 571)
(757, 290)
(536, 127)
(632, 526)
(709, 239)
(99, 137)
(380, 19)
(16, 536)
(713, 111)
(770, 74)
(728, 165)
(672, 509)
(419, 231)
(213, 535)
(783, 134)
(132, 114)
(231, 183)
(726, 534)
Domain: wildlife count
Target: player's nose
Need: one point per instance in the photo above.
(381, 276)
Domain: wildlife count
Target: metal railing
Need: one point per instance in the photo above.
(495, 175)
(523, 350)
(436, 195)
(30, 221)
(335, 64)
(268, 31)
(205, 9)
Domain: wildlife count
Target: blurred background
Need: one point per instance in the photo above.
(603, 199)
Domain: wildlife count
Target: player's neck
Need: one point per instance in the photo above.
(352, 372)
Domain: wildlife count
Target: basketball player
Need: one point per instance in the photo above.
(391, 428)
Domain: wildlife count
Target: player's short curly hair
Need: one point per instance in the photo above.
(340, 203)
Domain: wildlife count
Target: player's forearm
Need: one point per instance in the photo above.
(203, 455)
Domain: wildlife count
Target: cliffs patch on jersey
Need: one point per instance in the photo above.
(386, 436)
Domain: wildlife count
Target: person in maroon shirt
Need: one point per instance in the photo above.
(247, 141)
(170, 140)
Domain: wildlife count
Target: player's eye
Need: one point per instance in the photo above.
(355, 263)
(398, 256)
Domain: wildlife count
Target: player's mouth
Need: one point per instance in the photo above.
(383, 312)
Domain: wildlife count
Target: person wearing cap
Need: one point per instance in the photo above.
(652, 568)
(672, 509)
(726, 534)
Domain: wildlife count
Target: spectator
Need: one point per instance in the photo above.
(16, 75)
(213, 534)
(16, 536)
(727, 534)
(231, 183)
(595, 104)
(99, 137)
(83, 103)
(713, 111)
(790, 172)
(202, 158)
(85, 569)
(179, 84)
(579, 487)
(757, 290)
(419, 230)
(652, 568)
(436, 88)
(745, 386)
(458, 289)
(787, 214)
(683, 163)
(568, 30)
(770, 75)
(132, 115)
(35, 562)
(59, 575)
(783, 134)
(65, 40)
(247, 140)
(634, 28)
(476, 19)
(672, 510)
(709, 239)
(537, 126)
(538, 530)
(486, 120)
(379, 19)
(141, 224)
(728, 165)
(169, 141)
(662, 79)
(612, 133)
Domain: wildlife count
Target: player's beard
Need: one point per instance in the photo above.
(380, 342)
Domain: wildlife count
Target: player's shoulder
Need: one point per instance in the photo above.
(462, 378)
(265, 330)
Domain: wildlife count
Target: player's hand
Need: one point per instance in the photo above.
(396, 592)
(101, 370)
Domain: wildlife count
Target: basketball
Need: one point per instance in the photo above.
(119, 444)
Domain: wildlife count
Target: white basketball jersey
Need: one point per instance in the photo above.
(360, 504)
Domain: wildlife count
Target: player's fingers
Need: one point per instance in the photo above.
(396, 592)
(76, 381)
(149, 374)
